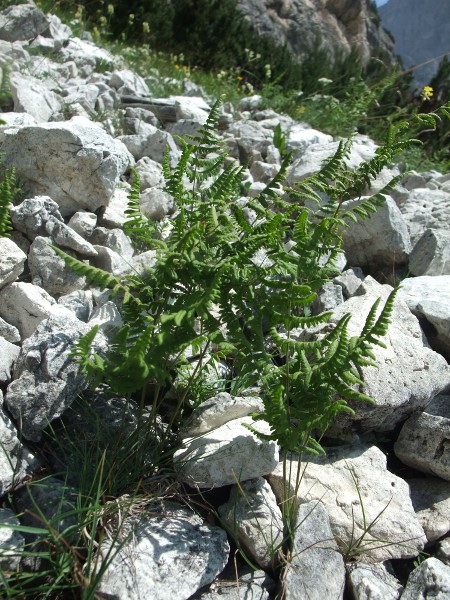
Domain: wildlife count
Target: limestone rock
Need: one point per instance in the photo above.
(372, 582)
(32, 97)
(431, 579)
(16, 462)
(173, 555)
(443, 551)
(225, 455)
(12, 260)
(15, 121)
(431, 501)
(22, 22)
(50, 157)
(114, 239)
(425, 209)
(83, 223)
(335, 481)
(255, 585)
(128, 83)
(8, 354)
(66, 237)
(150, 173)
(316, 569)
(427, 297)
(379, 241)
(31, 216)
(431, 254)
(46, 380)
(424, 442)
(80, 302)
(24, 306)
(9, 332)
(218, 410)
(49, 271)
(253, 517)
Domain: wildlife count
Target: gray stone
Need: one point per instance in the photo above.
(128, 83)
(443, 551)
(9, 332)
(355, 487)
(80, 302)
(156, 204)
(50, 157)
(22, 22)
(253, 517)
(16, 461)
(300, 137)
(83, 223)
(227, 454)
(24, 306)
(8, 354)
(11, 542)
(424, 441)
(431, 254)
(372, 582)
(379, 241)
(218, 410)
(431, 579)
(47, 380)
(173, 555)
(431, 501)
(32, 97)
(427, 298)
(85, 55)
(15, 121)
(425, 209)
(66, 237)
(262, 171)
(12, 260)
(107, 317)
(50, 272)
(152, 143)
(140, 263)
(415, 372)
(150, 173)
(110, 261)
(31, 216)
(328, 297)
(114, 239)
(114, 212)
(315, 569)
(350, 280)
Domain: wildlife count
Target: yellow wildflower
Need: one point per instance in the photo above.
(427, 92)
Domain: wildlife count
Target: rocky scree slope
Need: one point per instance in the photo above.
(74, 170)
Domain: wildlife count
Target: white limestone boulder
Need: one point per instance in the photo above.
(12, 261)
(13, 120)
(66, 237)
(423, 442)
(22, 22)
(49, 271)
(431, 500)
(316, 569)
(83, 223)
(253, 516)
(32, 97)
(173, 555)
(153, 143)
(150, 173)
(32, 215)
(24, 306)
(156, 204)
(425, 209)
(218, 410)
(9, 332)
(114, 239)
(431, 253)
(428, 298)
(379, 241)
(8, 354)
(409, 374)
(16, 461)
(225, 455)
(431, 579)
(356, 489)
(372, 582)
(300, 136)
(127, 82)
(75, 162)
(46, 380)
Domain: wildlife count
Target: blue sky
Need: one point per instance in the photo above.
(380, 2)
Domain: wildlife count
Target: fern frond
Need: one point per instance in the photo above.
(8, 190)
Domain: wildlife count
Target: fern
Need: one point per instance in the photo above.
(8, 190)
(238, 290)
